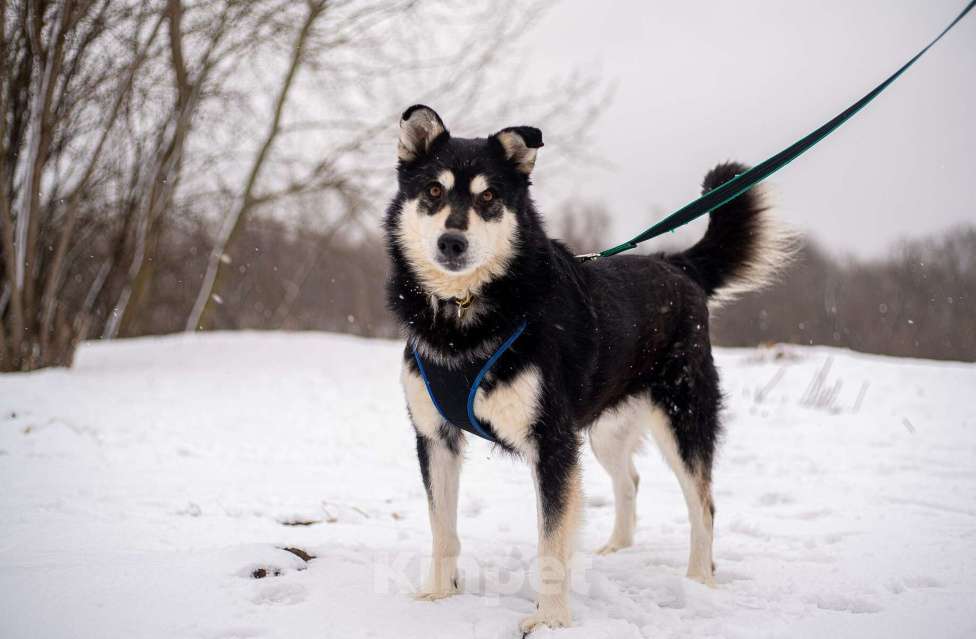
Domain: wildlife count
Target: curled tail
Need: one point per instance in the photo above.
(743, 247)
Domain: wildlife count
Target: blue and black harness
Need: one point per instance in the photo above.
(453, 390)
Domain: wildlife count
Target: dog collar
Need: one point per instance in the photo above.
(453, 390)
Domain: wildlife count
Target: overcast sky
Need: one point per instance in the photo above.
(698, 83)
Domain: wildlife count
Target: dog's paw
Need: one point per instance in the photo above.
(708, 580)
(434, 595)
(617, 542)
(431, 592)
(552, 619)
(613, 546)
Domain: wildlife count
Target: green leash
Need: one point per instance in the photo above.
(745, 181)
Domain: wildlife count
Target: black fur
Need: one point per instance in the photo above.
(423, 456)
(599, 332)
(531, 135)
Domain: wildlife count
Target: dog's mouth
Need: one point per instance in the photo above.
(453, 264)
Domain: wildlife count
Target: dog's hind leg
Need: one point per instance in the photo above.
(440, 466)
(559, 497)
(614, 438)
(693, 470)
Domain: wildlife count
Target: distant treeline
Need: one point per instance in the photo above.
(920, 301)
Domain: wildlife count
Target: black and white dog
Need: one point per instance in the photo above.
(616, 348)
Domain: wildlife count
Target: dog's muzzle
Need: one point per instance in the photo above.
(451, 251)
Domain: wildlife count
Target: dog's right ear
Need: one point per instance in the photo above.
(520, 145)
(420, 126)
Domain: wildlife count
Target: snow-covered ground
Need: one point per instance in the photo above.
(143, 489)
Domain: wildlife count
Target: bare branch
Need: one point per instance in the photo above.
(233, 224)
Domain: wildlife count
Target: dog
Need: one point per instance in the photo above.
(615, 348)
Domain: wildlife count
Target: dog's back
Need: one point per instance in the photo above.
(651, 312)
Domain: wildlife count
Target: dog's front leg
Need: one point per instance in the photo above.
(440, 467)
(559, 499)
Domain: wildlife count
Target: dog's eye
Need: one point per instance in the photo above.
(487, 195)
(435, 190)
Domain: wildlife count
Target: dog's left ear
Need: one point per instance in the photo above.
(520, 144)
(420, 126)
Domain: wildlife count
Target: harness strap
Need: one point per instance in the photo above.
(745, 181)
(453, 390)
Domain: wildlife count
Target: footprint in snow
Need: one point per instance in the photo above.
(285, 594)
(725, 576)
(898, 586)
(841, 603)
(775, 499)
(277, 562)
(473, 507)
(812, 514)
(748, 529)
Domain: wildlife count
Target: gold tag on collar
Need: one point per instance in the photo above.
(463, 304)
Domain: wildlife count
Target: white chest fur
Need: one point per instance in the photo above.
(512, 408)
(424, 414)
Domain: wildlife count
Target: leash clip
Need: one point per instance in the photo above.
(588, 257)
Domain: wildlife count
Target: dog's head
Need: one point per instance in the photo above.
(458, 220)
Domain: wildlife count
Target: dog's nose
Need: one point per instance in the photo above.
(452, 245)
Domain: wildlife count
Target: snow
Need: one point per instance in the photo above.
(143, 489)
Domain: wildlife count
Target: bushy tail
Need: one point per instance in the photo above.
(743, 247)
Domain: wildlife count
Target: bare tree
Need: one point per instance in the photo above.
(232, 225)
(49, 149)
(363, 50)
(125, 124)
(85, 79)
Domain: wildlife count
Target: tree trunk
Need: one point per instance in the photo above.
(56, 267)
(201, 315)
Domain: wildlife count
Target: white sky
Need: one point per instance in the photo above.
(698, 83)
